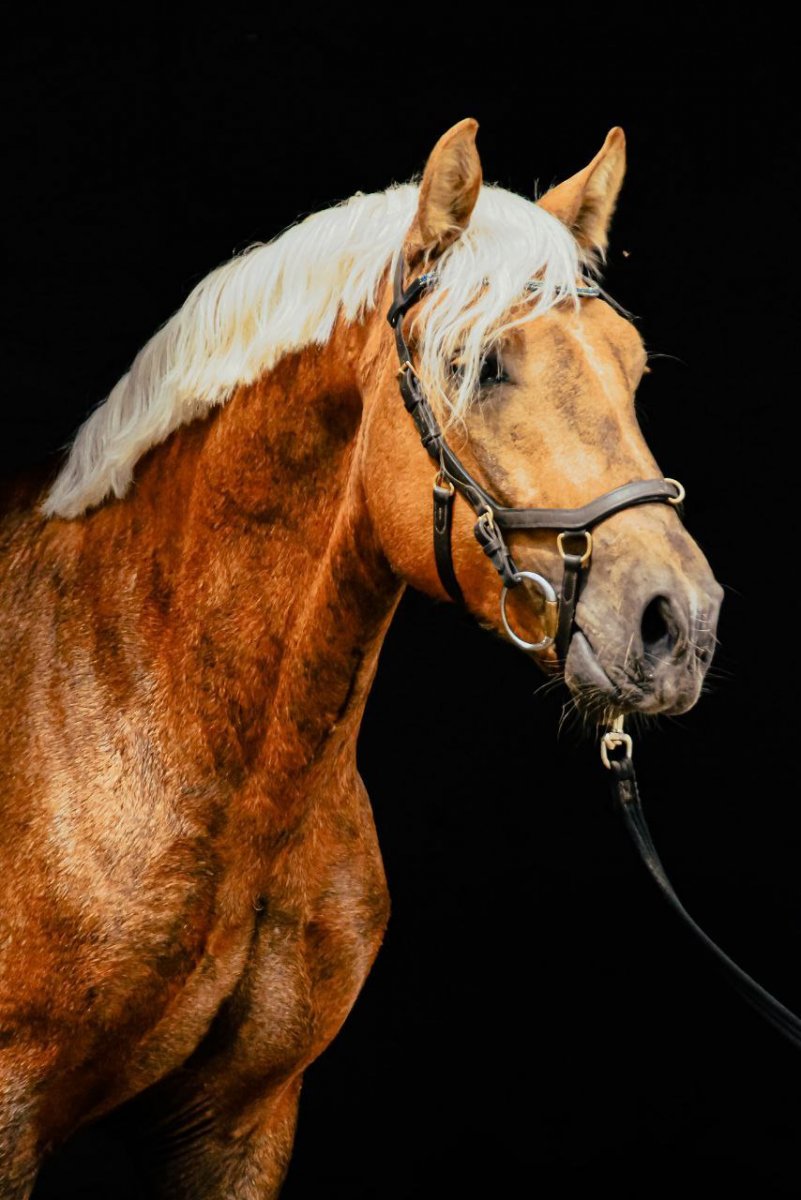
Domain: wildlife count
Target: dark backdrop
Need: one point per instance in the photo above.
(536, 1018)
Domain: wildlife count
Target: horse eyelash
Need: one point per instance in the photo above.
(493, 354)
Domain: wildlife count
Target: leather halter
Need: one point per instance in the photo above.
(493, 517)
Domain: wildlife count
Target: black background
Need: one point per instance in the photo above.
(536, 1018)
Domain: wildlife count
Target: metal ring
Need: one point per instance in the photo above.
(550, 598)
(585, 533)
(610, 741)
(682, 493)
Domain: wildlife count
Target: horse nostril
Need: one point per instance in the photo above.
(659, 629)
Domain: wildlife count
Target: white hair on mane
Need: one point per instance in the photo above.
(277, 297)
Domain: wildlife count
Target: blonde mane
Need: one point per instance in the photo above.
(279, 296)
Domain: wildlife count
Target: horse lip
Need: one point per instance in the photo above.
(591, 670)
(594, 675)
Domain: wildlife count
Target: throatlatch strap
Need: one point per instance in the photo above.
(443, 554)
(627, 797)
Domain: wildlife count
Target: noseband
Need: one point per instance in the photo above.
(572, 525)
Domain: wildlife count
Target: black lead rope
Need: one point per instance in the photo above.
(626, 796)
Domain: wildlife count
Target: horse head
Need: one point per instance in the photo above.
(531, 374)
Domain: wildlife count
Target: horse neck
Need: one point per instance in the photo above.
(273, 590)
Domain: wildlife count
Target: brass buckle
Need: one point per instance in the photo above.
(406, 366)
(613, 738)
(442, 482)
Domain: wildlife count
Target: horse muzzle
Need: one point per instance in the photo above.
(651, 655)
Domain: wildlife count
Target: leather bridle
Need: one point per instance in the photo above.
(493, 520)
(571, 525)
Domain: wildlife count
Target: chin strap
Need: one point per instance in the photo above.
(616, 754)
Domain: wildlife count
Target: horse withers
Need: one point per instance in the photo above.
(192, 889)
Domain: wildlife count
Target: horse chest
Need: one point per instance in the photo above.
(273, 987)
(321, 917)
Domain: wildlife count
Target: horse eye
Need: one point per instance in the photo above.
(492, 372)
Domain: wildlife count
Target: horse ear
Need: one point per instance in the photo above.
(448, 192)
(586, 201)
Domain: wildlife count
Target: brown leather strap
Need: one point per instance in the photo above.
(571, 578)
(576, 520)
(490, 539)
(443, 551)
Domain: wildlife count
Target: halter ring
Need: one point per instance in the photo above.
(585, 533)
(551, 612)
(682, 493)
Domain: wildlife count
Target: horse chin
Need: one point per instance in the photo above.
(597, 695)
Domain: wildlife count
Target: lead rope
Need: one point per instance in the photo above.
(616, 754)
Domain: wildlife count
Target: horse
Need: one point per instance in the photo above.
(194, 602)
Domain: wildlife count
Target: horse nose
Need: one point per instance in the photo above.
(662, 627)
(671, 624)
